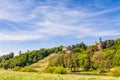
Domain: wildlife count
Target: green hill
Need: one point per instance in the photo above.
(102, 56)
(41, 64)
(27, 58)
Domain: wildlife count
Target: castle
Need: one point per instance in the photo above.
(68, 49)
(100, 44)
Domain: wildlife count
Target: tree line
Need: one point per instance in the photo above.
(90, 57)
(27, 58)
(82, 57)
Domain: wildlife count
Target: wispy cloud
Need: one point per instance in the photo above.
(45, 20)
(19, 36)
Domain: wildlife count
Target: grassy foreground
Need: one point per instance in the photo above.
(11, 75)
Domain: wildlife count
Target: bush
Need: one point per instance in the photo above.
(28, 69)
(49, 70)
(60, 70)
(16, 68)
(56, 70)
(115, 72)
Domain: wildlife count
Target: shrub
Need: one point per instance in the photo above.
(60, 70)
(16, 68)
(115, 72)
(28, 69)
(49, 70)
(56, 70)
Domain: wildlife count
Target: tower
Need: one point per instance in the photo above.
(100, 40)
(100, 45)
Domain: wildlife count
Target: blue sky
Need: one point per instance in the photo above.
(33, 24)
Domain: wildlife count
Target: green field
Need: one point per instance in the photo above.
(11, 75)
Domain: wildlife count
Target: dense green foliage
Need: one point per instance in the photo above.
(6, 57)
(73, 61)
(56, 70)
(28, 58)
(90, 57)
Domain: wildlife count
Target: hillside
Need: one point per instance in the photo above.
(41, 64)
(27, 58)
(102, 56)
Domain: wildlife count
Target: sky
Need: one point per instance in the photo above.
(34, 24)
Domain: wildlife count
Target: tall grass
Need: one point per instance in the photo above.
(12, 75)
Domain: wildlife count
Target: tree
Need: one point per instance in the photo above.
(84, 61)
(117, 40)
(108, 57)
(97, 61)
(80, 45)
(116, 59)
(7, 57)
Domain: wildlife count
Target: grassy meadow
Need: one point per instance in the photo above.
(12, 75)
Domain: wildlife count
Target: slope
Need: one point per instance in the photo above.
(41, 64)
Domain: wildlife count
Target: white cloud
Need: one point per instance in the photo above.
(15, 10)
(21, 36)
(107, 33)
(48, 21)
